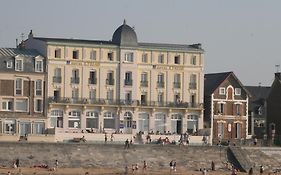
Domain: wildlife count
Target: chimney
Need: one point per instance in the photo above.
(278, 75)
(30, 35)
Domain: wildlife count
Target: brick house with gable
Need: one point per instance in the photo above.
(226, 107)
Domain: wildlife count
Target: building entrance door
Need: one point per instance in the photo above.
(128, 123)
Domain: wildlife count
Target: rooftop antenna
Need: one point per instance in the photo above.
(277, 68)
(22, 36)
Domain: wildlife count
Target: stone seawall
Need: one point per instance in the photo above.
(108, 155)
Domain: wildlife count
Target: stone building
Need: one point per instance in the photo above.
(274, 109)
(257, 110)
(122, 85)
(226, 106)
(22, 92)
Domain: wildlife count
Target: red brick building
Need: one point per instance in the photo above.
(226, 107)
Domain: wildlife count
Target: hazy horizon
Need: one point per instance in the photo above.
(239, 36)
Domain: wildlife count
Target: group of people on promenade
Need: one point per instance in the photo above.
(135, 168)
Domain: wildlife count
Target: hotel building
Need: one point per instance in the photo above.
(122, 85)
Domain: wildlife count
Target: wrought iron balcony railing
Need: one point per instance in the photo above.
(56, 79)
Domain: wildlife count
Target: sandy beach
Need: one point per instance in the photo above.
(105, 171)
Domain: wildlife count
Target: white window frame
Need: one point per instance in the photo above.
(222, 91)
(144, 58)
(17, 88)
(237, 91)
(27, 105)
(38, 65)
(9, 64)
(35, 105)
(19, 66)
(129, 57)
(38, 88)
(7, 101)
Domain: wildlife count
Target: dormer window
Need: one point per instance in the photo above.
(18, 65)
(237, 91)
(9, 64)
(222, 91)
(39, 66)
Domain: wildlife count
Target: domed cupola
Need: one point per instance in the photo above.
(125, 36)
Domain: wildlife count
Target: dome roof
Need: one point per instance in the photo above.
(125, 36)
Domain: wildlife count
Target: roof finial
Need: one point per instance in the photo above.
(124, 22)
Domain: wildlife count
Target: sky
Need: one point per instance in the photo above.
(239, 36)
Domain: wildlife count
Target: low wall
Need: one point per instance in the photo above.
(110, 155)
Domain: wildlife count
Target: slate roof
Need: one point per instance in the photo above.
(125, 35)
(258, 92)
(27, 55)
(213, 80)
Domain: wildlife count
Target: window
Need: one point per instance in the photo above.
(128, 79)
(143, 124)
(109, 95)
(160, 97)
(237, 91)
(92, 94)
(18, 86)
(9, 126)
(220, 130)
(9, 64)
(75, 54)
(19, 65)
(75, 76)
(57, 75)
(144, 58)
(38, 66)
(38, 105)
(177, 98)
(222, 91)
(144, 82)
(160, 80)
(93, 77)
(92, 119)
(238, 109)
(75, 94)
(192, 84)
(177, 81)
(160, 123)
(110, 80)
(38, 128)
(221, 108)
(129, 57)
(161, 58)
(176, 124)
(110, 56)
(74, 119)
(192, 123)
(38, 87)
(177, 59)
(56, 118)
(58, 53)
(21, 105)
(7, 105)
(93, 55)
(128, 96)
(193, 60)
(109, 120)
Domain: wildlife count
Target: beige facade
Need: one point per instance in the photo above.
(128, 88)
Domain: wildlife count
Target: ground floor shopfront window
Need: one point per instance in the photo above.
(92, 120)
(10, 126)
(56, 119)
(160, 119)
(143, 123)
(74, 118)
(38, 128)
(109, 120)
(192, 123)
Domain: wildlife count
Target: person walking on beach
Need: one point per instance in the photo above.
(17, 163)
(105, 138)
(175, 166)
(111, 137)
(144, 166)
(127, 144)
(171, 166)
(251, 172)
(261, 169)
(56, 164)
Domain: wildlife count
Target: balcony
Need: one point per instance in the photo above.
(160, 84)
(144, 83)
(128, 82)
(109, 81)
(122, 102)
(177, 85)
(92, 81)
(192, 85)
(75, 80)
(56, 79)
